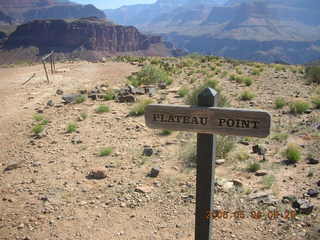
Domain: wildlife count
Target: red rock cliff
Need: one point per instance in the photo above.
(90, 33)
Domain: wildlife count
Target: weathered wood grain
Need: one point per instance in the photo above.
(224, 121)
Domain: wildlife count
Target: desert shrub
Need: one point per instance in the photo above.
(292, 153)
(109, 95)
(241, 155)
(192, 98)
(280, 137)
(183, 92)
(224, 145)
(83, 115)
(37, 129)
(280, 103)
(165, 132)
(105, 152)
(102, 109)
(255, 71)
(247, 95)
(139, 107)
(312, 74)
(253, 167)
(149, 75)
(44, 122)
(268, 181)
(279, 68)
(80, 99)
(72, 127)
(247, 81)
(298, 107)
(316, 101)
(38, 117)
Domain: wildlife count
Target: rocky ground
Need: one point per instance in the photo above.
(55, 185)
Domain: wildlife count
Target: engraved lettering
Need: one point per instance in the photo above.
(230, 122)
(245, 123)
(186, 119)
(194, 120)
(203, 121)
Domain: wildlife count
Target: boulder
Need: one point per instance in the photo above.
(154, 172)
(303, 206)
(97, 174)
(259, 149)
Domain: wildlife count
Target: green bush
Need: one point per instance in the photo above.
(109, 96)
(312, 74)
(102, 109)
(165, 132)
(316, 101)
(280, 103)
(38, 117)
(44, 122)
(72, 127)
(292, 153)
(247, 95)
(149, 75)
(138, 108)
(253, 167)
(192, 98)
(247, 81)
(38, 129)
(105, 152)
(80, 99)
(298, 107)
(183, 92)
(280, 137)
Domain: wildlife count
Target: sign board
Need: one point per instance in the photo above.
(214, 120)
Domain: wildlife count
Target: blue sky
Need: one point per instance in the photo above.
(105, 4)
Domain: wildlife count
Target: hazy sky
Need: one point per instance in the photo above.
(105, 4)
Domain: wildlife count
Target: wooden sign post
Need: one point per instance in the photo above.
(206, 119)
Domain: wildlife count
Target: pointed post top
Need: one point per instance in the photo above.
(208, 98)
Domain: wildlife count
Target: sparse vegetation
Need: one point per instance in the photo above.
(247, 95)
(280, 137)
(37, 129)
(292, 153)
(71, 127)
(109, 96)
(183, 92)
(38, 117)
(102, 109)
(316, 101)
(312, 74)
(166, 132)
(253, 167)
(105, 152)
(138, 108)
(83, 115)
(299, 106)
(268, 181)
(80, 99)
(280, 103)
(247, 81)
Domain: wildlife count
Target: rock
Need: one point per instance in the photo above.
(227, 186)
(89, 33)
(260, 150)
(154, 172)
(143, 189)
(308, 111)
(237, 183)
(162, 85)
(313, 193)
(261, 173)
(50, 103)
(318, 183)
(126, 98)
(12, 167)
(264, 198)
(76, 140)
(147, 151)
(303, 206)
(246, 143)
(97, 174)
(288, 199)
(312, 160)
(132, 89)
(220, 161)
(70, 98)
(59, 92)
(140, 91)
